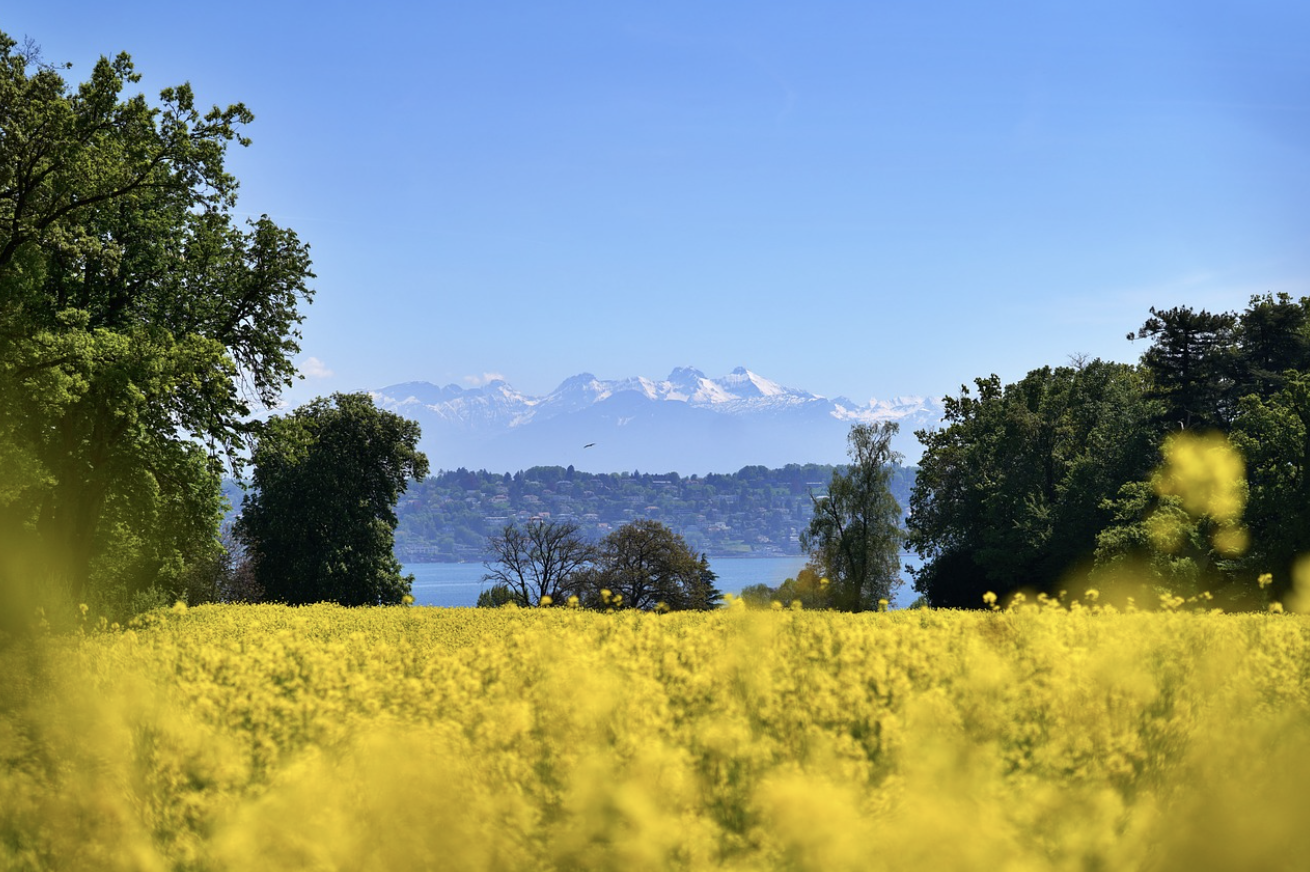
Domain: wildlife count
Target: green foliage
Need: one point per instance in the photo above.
(809, 590)
(1202, 365)
(1014, 489)
(1272, 340)
(450, 516)
(320, 522)
(1188, 363)
(1126, 548)
(1274, 436)
(496, 596)
(132, 304)
(854, 535)
(645, 565)
(1027, 481)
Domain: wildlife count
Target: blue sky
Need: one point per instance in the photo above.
(855, 198)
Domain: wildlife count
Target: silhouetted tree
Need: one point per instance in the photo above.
(537, 560)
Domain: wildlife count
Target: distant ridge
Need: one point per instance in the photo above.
(686, 423)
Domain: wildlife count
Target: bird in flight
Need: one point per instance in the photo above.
(589, 444)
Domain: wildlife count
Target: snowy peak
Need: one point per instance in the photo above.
(686, 422)
(745, 384)
(573, 393)
(689, 385)
(739, 392)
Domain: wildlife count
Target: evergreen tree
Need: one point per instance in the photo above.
(1189, 364)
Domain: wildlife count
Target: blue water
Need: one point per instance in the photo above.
(458, 584)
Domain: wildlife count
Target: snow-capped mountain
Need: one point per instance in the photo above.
(686, 423)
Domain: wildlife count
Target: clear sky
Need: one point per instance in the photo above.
(856, 198)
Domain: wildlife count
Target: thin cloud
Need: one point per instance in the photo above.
(315, 368)
(478, 381)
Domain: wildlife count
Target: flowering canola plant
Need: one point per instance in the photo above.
(1038, 737)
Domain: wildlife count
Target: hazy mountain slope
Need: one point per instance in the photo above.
(687, 423)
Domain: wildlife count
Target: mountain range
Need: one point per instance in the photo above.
(687, 423)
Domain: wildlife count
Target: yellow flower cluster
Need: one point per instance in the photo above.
(1036, 737)
(1208, 476)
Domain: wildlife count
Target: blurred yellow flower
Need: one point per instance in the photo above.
(1231, 540)
(1206, 473)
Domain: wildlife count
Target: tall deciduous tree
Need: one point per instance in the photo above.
(538, 560)
(138, 320)
(320, 521)
(855, 534)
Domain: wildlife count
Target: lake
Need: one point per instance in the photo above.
(458, 584)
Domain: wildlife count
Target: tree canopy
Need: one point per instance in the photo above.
(139, 321)
(641, 565)
(1011, 490)
(320, 520)
(1061, 477)
(645, 565)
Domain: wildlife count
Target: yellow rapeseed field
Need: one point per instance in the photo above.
(1043, 737)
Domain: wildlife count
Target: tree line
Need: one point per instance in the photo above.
(853, 538)
(641, 565)
(448, 516)
(1053, 481)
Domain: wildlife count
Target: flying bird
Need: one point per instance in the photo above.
(589, 444)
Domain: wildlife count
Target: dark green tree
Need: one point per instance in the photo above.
(855, 535)
(1274, 437)
(496, 596)
(1272, 339)
(1014, 488)
(537, 560)
(139, 320)
(757, 596)
(1130, 559)
(319, 523)
(1190, 364)
(810, 588)
(645, 565)
(706, 595)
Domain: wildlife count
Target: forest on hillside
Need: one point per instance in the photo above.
(754, 512)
